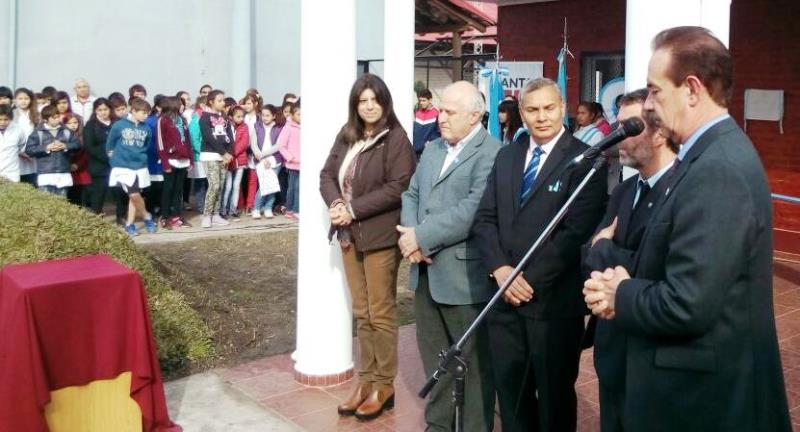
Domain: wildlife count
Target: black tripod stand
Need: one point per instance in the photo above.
(452, 357)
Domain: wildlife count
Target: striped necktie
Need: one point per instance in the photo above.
(530, 174)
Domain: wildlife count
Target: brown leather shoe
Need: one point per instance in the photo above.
(349, 407)
(376, 403)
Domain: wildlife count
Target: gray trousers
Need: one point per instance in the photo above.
(438, 327)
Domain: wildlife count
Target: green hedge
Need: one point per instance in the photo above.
(36, 226)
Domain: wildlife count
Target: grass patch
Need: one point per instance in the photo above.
(37, 226)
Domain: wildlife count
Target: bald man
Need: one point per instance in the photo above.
(447, 274)
(535, 335)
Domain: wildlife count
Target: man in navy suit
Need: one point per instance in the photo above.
(535, 335)
(619, 234)
(701, 351)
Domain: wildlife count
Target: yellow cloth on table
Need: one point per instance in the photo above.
(103, 405)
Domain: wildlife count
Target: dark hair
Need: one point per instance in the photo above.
(601, 112)
(273, 110)
(118, 96)
(229, 102)
(139, 104)
(115, 103)
(425, 93)
(205, 86)
(49, 111)
(592, 108)
(7, 111)
(136, 88)
(6, 92)
(171, 106)
(213, 95)
(296, 106)
(513, 118)
(33, 112)
(49, 91)
(288, 96)
(158, 102)
(633, 97)
(695, 51)
(181, 93)
(232, 110)
(97, 104)
(59, 96)
(354, 128)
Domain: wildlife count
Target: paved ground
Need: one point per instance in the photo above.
(244, 225)
(263, 396)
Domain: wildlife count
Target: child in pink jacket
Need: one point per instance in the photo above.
(289, 147)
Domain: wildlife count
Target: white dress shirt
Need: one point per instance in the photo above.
(454, 150)
(546, 149)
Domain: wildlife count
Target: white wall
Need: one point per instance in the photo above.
(166, 45)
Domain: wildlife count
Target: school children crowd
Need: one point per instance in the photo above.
(232, 155)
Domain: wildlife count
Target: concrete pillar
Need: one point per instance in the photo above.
(645, 18)
(398, 48)
(241, 49)
(328, 68)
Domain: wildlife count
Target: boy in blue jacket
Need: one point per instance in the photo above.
(51, 145)
(127, 151)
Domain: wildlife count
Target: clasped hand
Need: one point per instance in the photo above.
(600, 291)
(409, 246)
(339, 215)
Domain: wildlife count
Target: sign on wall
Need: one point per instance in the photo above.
(519, 74)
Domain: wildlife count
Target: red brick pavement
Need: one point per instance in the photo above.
(270, 381)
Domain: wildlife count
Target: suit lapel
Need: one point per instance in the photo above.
(554, 160)
(672, 182)
(517, 170)
(437, 161)
(625, 211)
(469, 150)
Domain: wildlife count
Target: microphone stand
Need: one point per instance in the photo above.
(454, 353)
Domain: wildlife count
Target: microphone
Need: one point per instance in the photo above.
(628, 128)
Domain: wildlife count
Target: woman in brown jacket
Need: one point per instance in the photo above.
(369, 166)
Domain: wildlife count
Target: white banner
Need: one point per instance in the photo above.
(520, 74)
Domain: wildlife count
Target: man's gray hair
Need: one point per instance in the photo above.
(80, 81)
(478, 102)
(538, 84)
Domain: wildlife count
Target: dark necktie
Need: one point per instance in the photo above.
(644, 188)
(530, 174)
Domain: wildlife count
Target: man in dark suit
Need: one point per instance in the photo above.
(651, 153)
(702, 351)
(536, 334)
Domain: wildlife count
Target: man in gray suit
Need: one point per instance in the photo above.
(450, 280)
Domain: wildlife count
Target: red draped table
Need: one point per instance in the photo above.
(70, 322)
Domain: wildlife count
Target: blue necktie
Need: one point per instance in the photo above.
(530, 174)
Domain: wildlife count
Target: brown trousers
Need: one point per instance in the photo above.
(372, 277)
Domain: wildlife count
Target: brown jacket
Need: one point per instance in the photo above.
(382, 175)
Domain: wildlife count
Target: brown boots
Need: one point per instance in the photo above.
(367, 404)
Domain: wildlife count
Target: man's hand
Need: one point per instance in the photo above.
(519, 291)
(408, 240)
(417, 257)
(52, 147)
(601, 289)
(606, 233)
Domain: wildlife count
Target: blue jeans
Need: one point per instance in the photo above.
(200, 187)
(62, 192)
(230, 196)
(266, 202)
(293, 192)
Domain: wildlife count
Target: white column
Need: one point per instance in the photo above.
(398, 65)
(241, 49)
(328, 68)
(646, 18)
